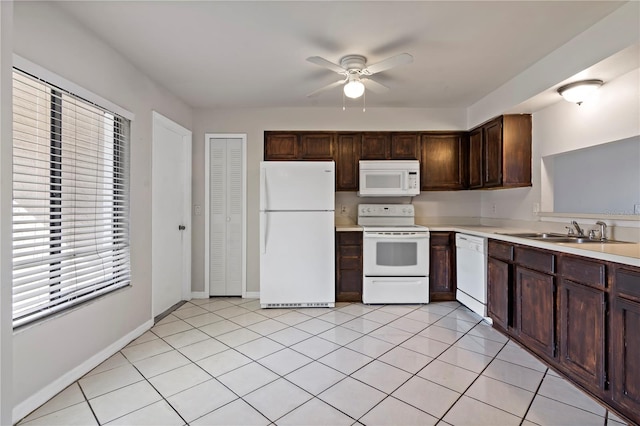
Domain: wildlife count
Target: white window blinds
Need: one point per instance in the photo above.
(70, 200)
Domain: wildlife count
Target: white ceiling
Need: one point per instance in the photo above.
(214, 54)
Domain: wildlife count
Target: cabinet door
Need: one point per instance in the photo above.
(442, 283)
(493, 153)
(316, 146)
(404, 146)
(625, 342)
(582, 343)
(375, 146)
(280, 146)
(348, 266)
(475, 159)
(348, 155)
(442, 162)
(499, 288)
(536, 310)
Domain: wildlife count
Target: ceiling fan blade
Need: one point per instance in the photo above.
(374, 86)
(327, 87)
(394, 61)
(326, 64)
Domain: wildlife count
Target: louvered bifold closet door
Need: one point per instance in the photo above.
(70, 200)
(226, 203)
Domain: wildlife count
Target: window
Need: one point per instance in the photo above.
(70, 200)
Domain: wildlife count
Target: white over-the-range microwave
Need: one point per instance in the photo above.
(389, 178)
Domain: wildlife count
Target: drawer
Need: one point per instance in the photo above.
(440, 238)
(628, 281)
(349, 237)
(538, 260)
(583, 271)
(351, 263)
(500, 250)
(350, 251)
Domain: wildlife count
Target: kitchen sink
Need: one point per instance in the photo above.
(536, 235)
(561, 238)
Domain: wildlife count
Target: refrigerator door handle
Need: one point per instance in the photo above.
(263, 232)
(263, 189)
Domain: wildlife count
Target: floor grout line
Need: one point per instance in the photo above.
(455, 314)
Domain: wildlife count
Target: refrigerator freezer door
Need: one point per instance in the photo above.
(297, 185)
(297, 262)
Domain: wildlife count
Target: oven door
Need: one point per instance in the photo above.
(396, 254)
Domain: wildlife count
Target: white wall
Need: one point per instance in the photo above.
(615, 32)
(614, 114)
(6, 338)
(603, 179)
(254, 122)
(49, 355)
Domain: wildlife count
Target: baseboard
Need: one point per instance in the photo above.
(52, 389)
(251, 295)
(199, 295)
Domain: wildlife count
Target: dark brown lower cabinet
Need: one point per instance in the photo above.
(500, 288)
(535, 310)
(625, 342)
(442, 267)
(579, 315)
(582, 310)
(498, 275)
(349, 266)
(582, 325)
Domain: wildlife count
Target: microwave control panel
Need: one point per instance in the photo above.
(413, 180)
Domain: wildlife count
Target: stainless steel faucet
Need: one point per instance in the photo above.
(579, 230)
(603, 230)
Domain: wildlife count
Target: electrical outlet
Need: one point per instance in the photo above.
(197, 209)
(493, 208)
(343, 210)
(536, 207)
(636, 209)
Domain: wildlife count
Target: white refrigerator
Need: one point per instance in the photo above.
(297, 261)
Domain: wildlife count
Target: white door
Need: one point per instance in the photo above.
(225, 215)
(171, 218)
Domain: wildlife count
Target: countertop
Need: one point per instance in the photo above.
(627, 254)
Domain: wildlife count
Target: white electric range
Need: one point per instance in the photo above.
(395, 254)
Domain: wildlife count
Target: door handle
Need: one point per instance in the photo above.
(181, 227)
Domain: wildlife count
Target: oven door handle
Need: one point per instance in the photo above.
(397, 236)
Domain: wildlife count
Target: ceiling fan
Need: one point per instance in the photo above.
(356, 73)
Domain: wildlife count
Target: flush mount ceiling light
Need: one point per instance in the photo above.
(354, 88)
(579, 91)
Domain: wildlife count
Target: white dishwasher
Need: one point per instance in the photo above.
(471, 272)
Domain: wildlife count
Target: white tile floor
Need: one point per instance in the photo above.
(225, 361)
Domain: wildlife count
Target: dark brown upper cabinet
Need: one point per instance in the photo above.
(476, 163)
(316, 146)
(375, 146)
(280, 146)
(312, 146)
(443, 164)
(500, 153)
(347, 157)
(390, 146)
(494, 155)
(405, 146)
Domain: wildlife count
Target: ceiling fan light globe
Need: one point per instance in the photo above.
(353, 89)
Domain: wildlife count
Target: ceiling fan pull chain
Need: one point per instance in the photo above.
(343, 100)
(364, 101)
